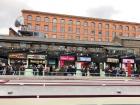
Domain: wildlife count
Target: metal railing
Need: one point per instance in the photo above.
(30, 72)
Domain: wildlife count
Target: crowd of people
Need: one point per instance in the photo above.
(68, 70)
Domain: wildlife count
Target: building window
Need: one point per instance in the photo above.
(85, 31)
(100, 26)
(38, 19)
(120, 27)
(100, 33)
(53, 36)
(107, 33)
(113, 34)
(77, 30)
(29, 17)
(46, 28)
(126, 28)
(54, 21)
(62, 21)
(114, 27)
(62, 29)
(46, 19)
(107, 26)
(54, 28)
(93, 32)
(78, 23)
(29, 26)
(92, 24)
(70, 22)
(85, 23)
(134, 29)
(37, 27)
(70, 29)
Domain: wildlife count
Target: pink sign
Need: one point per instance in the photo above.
(128, 60)
(67, 58)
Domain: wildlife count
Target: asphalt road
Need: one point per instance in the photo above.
(70, 87)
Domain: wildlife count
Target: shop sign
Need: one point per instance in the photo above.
(88, 59)
(128, 60)
(36, 56)
(17, 55)
(67, 58)
(112, 60)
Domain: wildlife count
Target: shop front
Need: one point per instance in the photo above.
(66, 60)
(128, 66)
(112, 62)
(17, 59)
(34, 59)
(83, 62)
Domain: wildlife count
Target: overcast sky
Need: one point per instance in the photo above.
(124, 10)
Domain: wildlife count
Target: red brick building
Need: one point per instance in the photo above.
(68, 27)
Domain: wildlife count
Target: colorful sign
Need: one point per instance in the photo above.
(36, 56)
(88, 59)
(112, 60)
(128, 60)
(67, 58)
(17, 55)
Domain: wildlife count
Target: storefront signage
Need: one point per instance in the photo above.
(88, 59)
(67, 58)
(112, 60)
(17, 55)
(128, 60)
(36, 56)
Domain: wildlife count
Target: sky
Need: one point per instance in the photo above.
(123, 10)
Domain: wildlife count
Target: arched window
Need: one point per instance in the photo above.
(54, 20)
